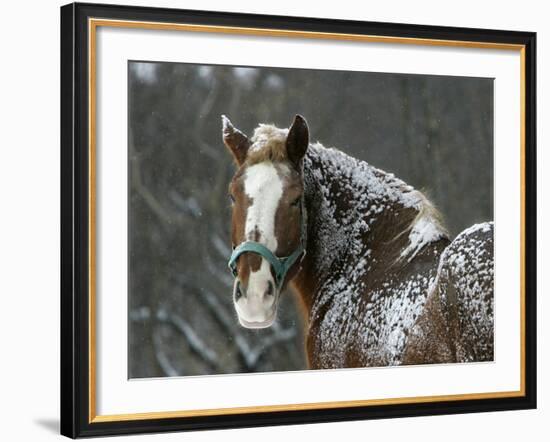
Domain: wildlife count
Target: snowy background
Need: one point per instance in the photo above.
(433, 132)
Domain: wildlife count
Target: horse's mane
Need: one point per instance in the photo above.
(427, 223)
(269, 144)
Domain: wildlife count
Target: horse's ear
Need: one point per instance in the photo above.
(297, 139)
(235, 140)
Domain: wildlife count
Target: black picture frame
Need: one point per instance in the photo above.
(75, 247)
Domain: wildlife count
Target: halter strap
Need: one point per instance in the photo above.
(280, 265)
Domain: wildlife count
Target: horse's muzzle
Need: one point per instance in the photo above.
(256, 305)
(264, 324)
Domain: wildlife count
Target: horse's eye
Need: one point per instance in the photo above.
(296, 202)
(232, 199)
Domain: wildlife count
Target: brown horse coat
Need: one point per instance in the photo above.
(381, 282)
(376, 249)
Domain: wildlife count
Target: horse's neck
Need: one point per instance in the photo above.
(357, 216)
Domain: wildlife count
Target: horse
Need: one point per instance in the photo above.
(379, 279)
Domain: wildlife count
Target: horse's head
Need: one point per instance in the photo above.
(268, 216)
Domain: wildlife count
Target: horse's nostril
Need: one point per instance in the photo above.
(269, 288)
(238, 292)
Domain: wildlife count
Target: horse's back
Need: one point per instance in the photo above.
(457, 325)
(466, 291)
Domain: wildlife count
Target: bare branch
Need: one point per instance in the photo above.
(156, 207)
(162, 359)
(196, 344)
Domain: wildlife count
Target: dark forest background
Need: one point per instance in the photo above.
(434, 132)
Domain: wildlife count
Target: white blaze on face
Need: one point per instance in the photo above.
(264, 187)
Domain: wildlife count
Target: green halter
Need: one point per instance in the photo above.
(280, 266)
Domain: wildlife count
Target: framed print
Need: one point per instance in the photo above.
(278, 220)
